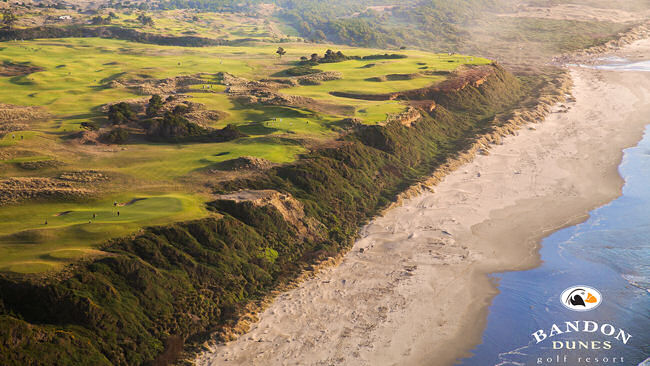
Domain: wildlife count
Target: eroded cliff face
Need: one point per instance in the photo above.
(165, 285)
(291, 210)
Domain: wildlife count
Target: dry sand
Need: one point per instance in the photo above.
(419, 291)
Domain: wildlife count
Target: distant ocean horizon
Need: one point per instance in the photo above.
(610, 252)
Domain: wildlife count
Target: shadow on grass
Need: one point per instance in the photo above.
(112, 77)
(21, 80)
(261, 113)
(257, 128)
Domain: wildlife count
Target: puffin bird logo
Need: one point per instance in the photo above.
(581, 298)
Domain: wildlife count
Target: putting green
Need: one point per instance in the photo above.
(36, 235)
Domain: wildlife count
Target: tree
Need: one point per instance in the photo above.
(98, 20)
(173, 127)
(117, 136)
(120, 113)
(8, 18)
(281, 51)
(146, 20)
(155, 105)
(180, 110)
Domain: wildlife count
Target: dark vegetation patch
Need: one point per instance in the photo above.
(338, 56)
(162, 121)
(393, 77)
(9, 68)
(298, 71)
(117, 136)
(113, 32)
(39, 164)
(174, 128)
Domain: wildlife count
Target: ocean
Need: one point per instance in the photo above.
(609, 252)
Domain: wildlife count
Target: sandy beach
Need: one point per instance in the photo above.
(415, 290)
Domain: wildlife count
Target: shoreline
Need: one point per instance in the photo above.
(419, 292)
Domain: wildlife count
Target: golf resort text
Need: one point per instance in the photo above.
(611, 336)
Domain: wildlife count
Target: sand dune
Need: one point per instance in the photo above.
(418, 292)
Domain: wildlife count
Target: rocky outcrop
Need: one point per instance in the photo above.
(291, 210)
(406, 118)
(244, 163)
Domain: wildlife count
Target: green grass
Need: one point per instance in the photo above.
(159, 162)
(13, 138)
(29, 245)
(211, 25)
(72, 87)
(356, 75)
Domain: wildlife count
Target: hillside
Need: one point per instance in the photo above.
(162, 167)
(66, 173)
(122, 307)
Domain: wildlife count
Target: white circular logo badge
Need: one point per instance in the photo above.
(581, 298)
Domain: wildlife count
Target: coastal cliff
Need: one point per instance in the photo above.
(171, 285)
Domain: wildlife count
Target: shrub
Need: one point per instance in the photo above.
(120, 113)
(385, 56)
(155, 105)
(300, 71)
(173, 127)
(116, 136)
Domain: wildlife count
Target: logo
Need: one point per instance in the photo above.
(581, 298)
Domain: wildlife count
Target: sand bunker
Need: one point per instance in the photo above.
(8, 69)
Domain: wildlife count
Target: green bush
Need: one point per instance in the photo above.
(300, 71)
(120, 113)
(154, 106)
(116, 136)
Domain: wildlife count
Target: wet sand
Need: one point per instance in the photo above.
(414, 289)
